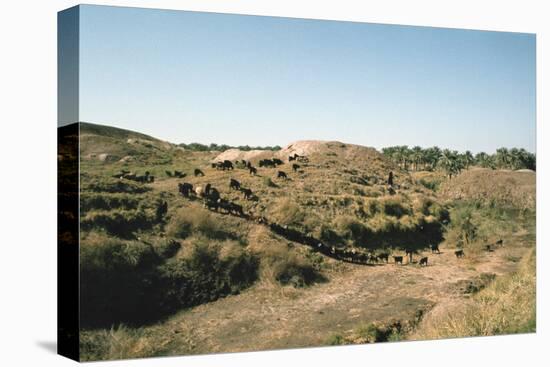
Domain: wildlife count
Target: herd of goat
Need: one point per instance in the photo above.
(211, 196)
(212, 200)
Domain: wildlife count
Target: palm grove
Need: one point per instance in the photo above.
(452, 161)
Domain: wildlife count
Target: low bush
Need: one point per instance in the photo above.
(289, 213)
(115, 276)
(290, 268)
(204, 276)
(395, 207)
(114, 185)
(186, 222)
(167, 248)
(101, 201)
(135, 283)
(122, 223)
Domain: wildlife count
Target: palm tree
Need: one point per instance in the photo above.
(402, 152)
(502, 158)
(416, 156)
(484, 160)
(433, 155)
(448, 162)
(468, 159)
(515, 158)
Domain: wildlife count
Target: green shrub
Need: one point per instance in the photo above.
(134, 283)
(114, 185)
(287, 212)
(94, 201)
(167, 248)
(395, 207)
(462, 220)
(371, 333)
(115, 276)
(336, 339)
(440, 212)
(350, 228)
(431, 185)
(204, 276)
(295, 271)
(118, 222)
(188, 221)
(328, 235)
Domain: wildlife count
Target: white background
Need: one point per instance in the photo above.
(28, 181)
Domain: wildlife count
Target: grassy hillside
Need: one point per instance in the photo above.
(500, 187)
(112, 132)
(143, 243)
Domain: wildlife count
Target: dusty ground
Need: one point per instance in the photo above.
(267, 317)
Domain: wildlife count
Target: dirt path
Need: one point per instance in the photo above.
(266, 317)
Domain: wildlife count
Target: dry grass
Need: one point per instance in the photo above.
(500, 187)
(508, 305)
(339, 196)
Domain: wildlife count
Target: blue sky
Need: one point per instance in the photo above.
(235, 79)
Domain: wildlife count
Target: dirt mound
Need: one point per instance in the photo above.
(237, 154)
(306, 148)
(507, 187)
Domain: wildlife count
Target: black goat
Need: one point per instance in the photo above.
(234, 184)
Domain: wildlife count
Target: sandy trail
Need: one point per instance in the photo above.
(267, 317)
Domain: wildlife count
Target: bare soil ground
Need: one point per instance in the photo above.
(266, 317)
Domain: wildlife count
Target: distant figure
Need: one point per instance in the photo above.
(390, 179)
(198, 172)
(409, 252)
(424, 261)
(162, 209)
